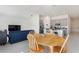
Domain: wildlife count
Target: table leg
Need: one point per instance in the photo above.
(51, 49)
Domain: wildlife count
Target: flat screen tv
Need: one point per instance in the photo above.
(14, 27)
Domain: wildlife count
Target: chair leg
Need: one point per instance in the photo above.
(51, 49)
(57, 49)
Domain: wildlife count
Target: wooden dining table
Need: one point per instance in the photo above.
(50, 41)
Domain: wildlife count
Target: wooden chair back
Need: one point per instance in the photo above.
(32, 42)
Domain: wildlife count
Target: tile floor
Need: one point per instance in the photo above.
(20, 47)
(73, 43)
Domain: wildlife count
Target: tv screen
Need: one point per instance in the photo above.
(14, 27)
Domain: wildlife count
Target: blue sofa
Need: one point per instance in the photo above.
(18, 36)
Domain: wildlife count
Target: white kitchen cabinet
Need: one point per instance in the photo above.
(63, 20)
(43, 23)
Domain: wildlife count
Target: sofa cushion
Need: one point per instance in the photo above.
(17, 36)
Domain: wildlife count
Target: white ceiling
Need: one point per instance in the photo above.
(52, 10)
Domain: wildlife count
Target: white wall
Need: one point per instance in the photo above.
(75, 25)
(10, 14)
(28, 23)
(32, 23)
(5, 20)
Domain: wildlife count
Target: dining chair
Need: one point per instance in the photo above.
(63, 47)
(64, 44)
(60, 48)
(56, 49)
(33, 44)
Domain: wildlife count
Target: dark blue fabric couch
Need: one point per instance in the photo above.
(3, 37)
(18, 36)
